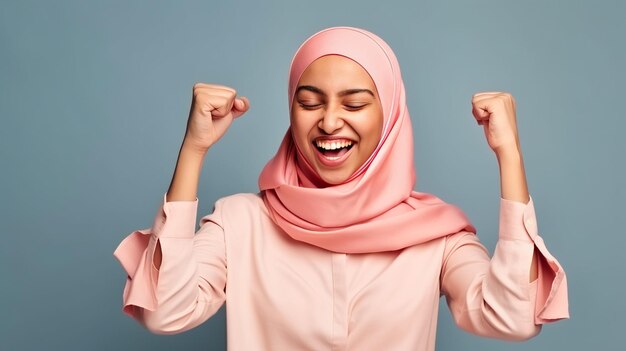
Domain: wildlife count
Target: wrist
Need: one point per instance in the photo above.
(192, 150)
(509, 153)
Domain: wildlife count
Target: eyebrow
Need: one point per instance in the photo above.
(341, 93)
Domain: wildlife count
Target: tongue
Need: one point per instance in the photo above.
(336, 152)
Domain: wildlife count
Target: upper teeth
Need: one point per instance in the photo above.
(332, 145)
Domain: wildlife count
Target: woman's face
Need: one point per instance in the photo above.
(336, 117)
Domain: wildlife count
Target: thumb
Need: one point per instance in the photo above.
(240, 106)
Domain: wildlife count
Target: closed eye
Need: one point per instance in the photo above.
(309, 106)
(355, 107)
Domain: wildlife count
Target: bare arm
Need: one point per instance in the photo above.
(184, 184)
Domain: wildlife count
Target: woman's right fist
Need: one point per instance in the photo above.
(213, 109)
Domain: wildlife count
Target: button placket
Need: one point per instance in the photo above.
(340, 303)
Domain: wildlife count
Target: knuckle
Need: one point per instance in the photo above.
(197, 89)
(202, 97)
(223, 87)
(509, 99)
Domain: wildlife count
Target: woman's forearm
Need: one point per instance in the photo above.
(184, 184)
(513, 184)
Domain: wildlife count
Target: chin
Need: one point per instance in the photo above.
(334, 177)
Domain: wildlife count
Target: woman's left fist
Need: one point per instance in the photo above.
(495, 111)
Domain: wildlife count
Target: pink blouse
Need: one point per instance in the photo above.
(283, 294)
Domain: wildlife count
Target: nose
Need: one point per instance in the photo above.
(331, 120)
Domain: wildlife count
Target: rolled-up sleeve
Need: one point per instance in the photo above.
(493, 297)
(189, 286)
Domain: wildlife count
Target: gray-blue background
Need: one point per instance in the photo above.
(94, 98)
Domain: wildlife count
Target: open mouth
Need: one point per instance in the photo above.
(333, 150)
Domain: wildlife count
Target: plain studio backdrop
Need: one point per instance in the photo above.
(94, 100)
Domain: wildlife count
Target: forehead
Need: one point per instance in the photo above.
(366, 48)
(336, 69)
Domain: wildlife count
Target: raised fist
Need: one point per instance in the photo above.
(213, 109)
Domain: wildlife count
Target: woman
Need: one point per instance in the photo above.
(336, 251)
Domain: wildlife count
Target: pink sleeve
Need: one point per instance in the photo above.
(494, 298)
(189, 287)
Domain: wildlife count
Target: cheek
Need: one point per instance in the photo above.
(371, 128)
(299, 129)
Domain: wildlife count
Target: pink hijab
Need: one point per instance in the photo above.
(376, 208)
